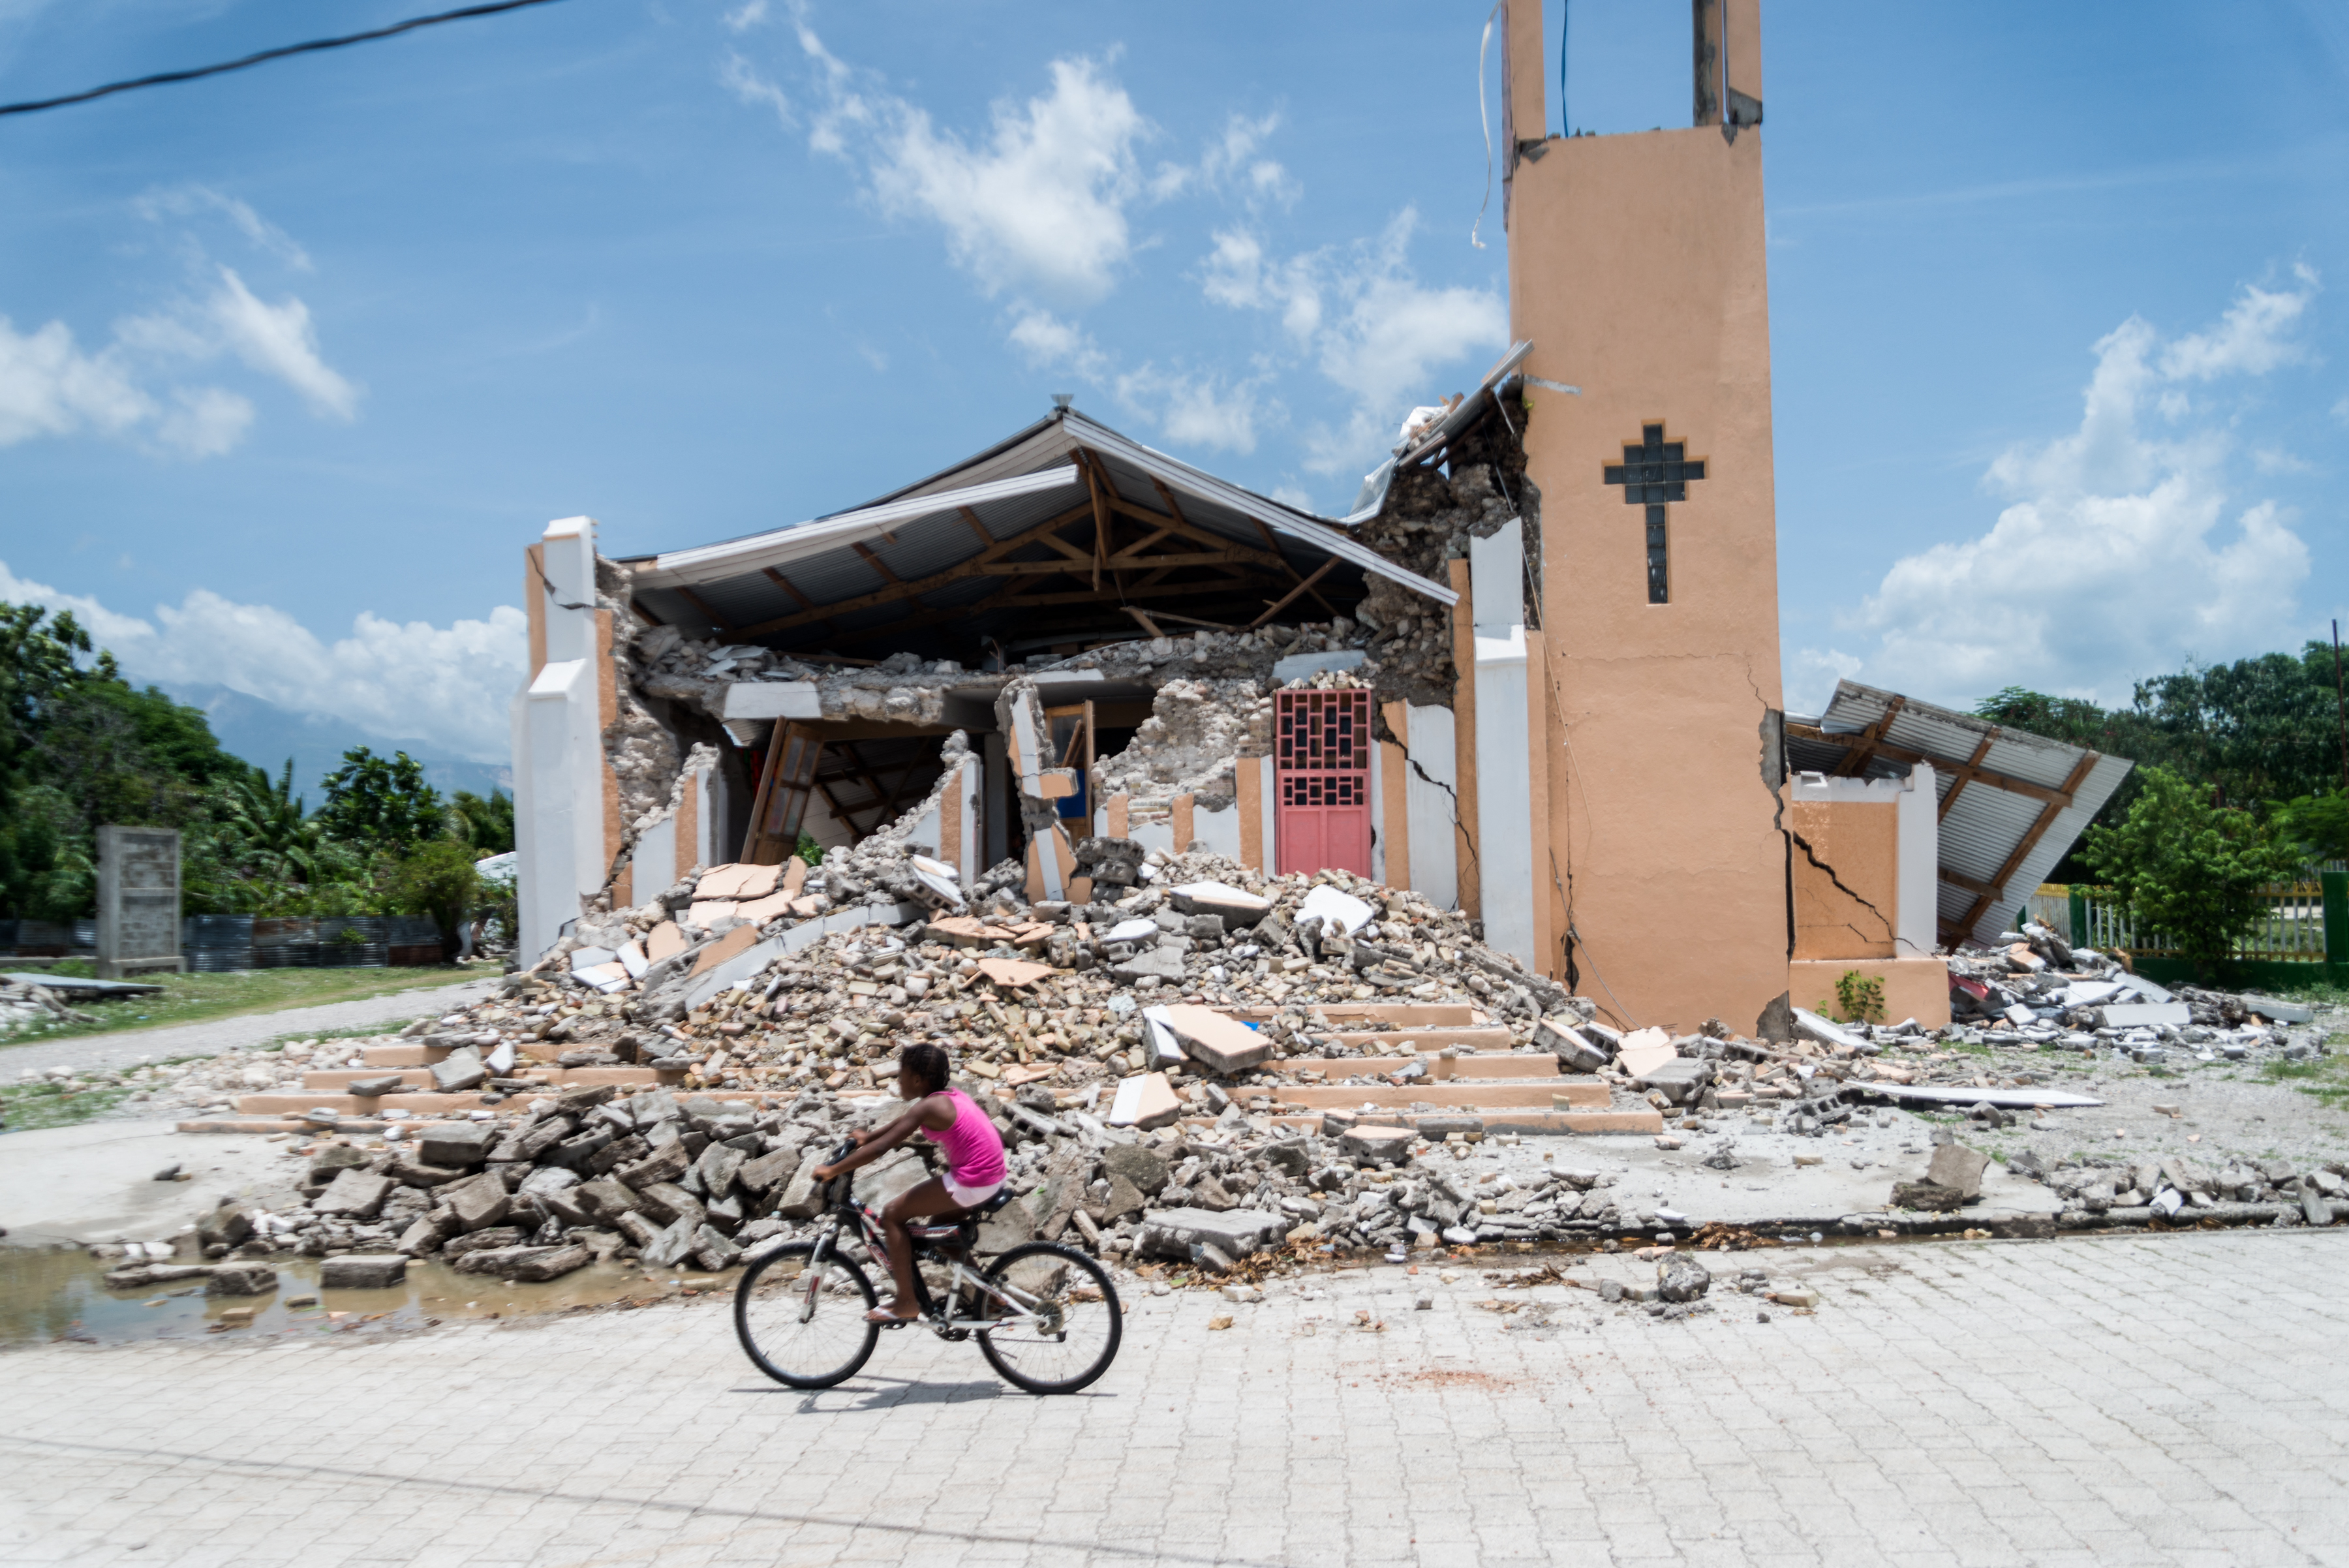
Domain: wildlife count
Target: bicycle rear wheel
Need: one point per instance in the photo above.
(805, 1327)
(1077, 1326)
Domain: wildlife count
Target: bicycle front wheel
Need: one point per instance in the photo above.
(805, 1327)
(1068, 1325)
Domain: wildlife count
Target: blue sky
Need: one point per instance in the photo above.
(298, 358)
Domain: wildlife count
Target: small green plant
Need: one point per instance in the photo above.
(809, 850)
(1859, 998)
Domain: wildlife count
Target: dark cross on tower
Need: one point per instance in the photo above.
(1653, 473)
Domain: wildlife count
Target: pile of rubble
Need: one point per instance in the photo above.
(22, 1003)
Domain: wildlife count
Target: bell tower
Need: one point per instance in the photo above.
(1639, 272)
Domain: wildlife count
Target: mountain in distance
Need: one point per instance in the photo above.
(266, 735)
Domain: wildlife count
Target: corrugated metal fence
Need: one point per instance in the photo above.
(214, 943)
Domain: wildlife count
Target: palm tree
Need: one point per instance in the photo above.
(272, 822)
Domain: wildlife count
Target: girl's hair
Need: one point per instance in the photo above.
(926, 1063)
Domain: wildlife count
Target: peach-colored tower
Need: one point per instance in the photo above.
(1638, 269)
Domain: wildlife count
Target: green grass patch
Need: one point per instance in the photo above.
(2322, 1078)
(33, 1107)
(202, 998)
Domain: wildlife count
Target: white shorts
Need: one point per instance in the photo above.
(969, 1197)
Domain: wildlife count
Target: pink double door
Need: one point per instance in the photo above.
(1321, 771)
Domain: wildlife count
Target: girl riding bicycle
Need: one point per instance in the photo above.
(975, 1167)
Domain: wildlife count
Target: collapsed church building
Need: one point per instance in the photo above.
(1532, 675)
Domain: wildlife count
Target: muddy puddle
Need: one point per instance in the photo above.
(62, 1294)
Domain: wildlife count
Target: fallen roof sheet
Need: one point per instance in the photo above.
(2012, 803)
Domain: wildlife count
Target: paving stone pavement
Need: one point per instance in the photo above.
(2175, 1399)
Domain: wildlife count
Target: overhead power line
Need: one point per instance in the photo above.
(311, 47)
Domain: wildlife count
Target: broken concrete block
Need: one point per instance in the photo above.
(877, 1183)
(1140, 1166)
(354, 1195)
(478, 1203)
(363, 1271)
(1236, 907)
(1224, 1044)
(1378, 1145)
(527, 1265)
(1151, 963)
(671, 1247)
(1827, 1032)
(1235, 1233)
(2151, 1015)
(1681, 1278)
(769, 1171)
(226, 1226)
(457, 1144)
(668, 1203)
(665, 1164)
(1147, 1101)
(1644, 1049)
(240, 1279)
(374, 1088)
(1956, 1166)
(713, 1249)
(1576, 1052)
(459, 1072)
(1678, 1080)
(802, 1196)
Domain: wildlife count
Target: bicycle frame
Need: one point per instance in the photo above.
(1019, 1306)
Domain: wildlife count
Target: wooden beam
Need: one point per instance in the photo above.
(2047, 814)
(1855, 757)
(877, 563)
(1195, 620)
(1175, 525)
(1965, 775)
(1133, 563)
(896, 591)
(1305, 585)
(791, 589)
(970, 519)
(1147, 624)
(711, 616)
(1163, 591)
(1093, 483)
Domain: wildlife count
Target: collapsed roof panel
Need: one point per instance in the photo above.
(2012, 803)
(1068, 518)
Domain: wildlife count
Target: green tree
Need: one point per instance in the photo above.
(486, 826)
(380, 804)
(2319, 824)
(436, 878)
(2189, 868)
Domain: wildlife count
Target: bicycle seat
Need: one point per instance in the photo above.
(963, 1223)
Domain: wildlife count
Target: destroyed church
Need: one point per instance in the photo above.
(1532, 675)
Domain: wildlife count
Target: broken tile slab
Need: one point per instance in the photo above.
(942, 880)
(706, 912)
(1377, 1144)
(1645, 1049)
(1678, 1080)
(1142, 930)
(456, 1145)
(1147, 1101)
(1335, 910)
(456, 1073)
(759, 911)
(1213, 1040)
(665, 941)
(1179, 1232)
(2136, 1014)
(2005, 1099)
(2089, 992)
(2277, 1009)
(588, 958)
(1014, 974)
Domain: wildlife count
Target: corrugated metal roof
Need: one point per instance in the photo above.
(922, 529)
(1989, 820)
(1438, 436)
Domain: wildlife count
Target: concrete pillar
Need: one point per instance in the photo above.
(137, 901)
(1917, 927)
(1505, 795)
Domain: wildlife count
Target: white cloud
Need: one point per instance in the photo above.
(1200, 410)
(1231, 163)
(276, 339)
(206, 421)
(1373, 328)
(1041, 202)
(448, 686)
(746, 16)
(49, 387)
(194, 201)
(2118, 554)
(752, 87)
(1050, 343)
(2250, 339)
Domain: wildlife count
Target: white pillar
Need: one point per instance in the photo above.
(1505, 795)
(1429, 802)
(558, 801)
(1917, 929)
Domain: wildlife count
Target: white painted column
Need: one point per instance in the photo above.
(558, 801)
(1915, 924)
(1401, 879)
(1504, 777)
(1429, 798)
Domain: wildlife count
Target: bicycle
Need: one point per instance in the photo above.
(1046, 1316)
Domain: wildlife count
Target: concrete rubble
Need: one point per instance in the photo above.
(1204, 1068)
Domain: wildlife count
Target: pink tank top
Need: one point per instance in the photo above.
(974, 1149)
